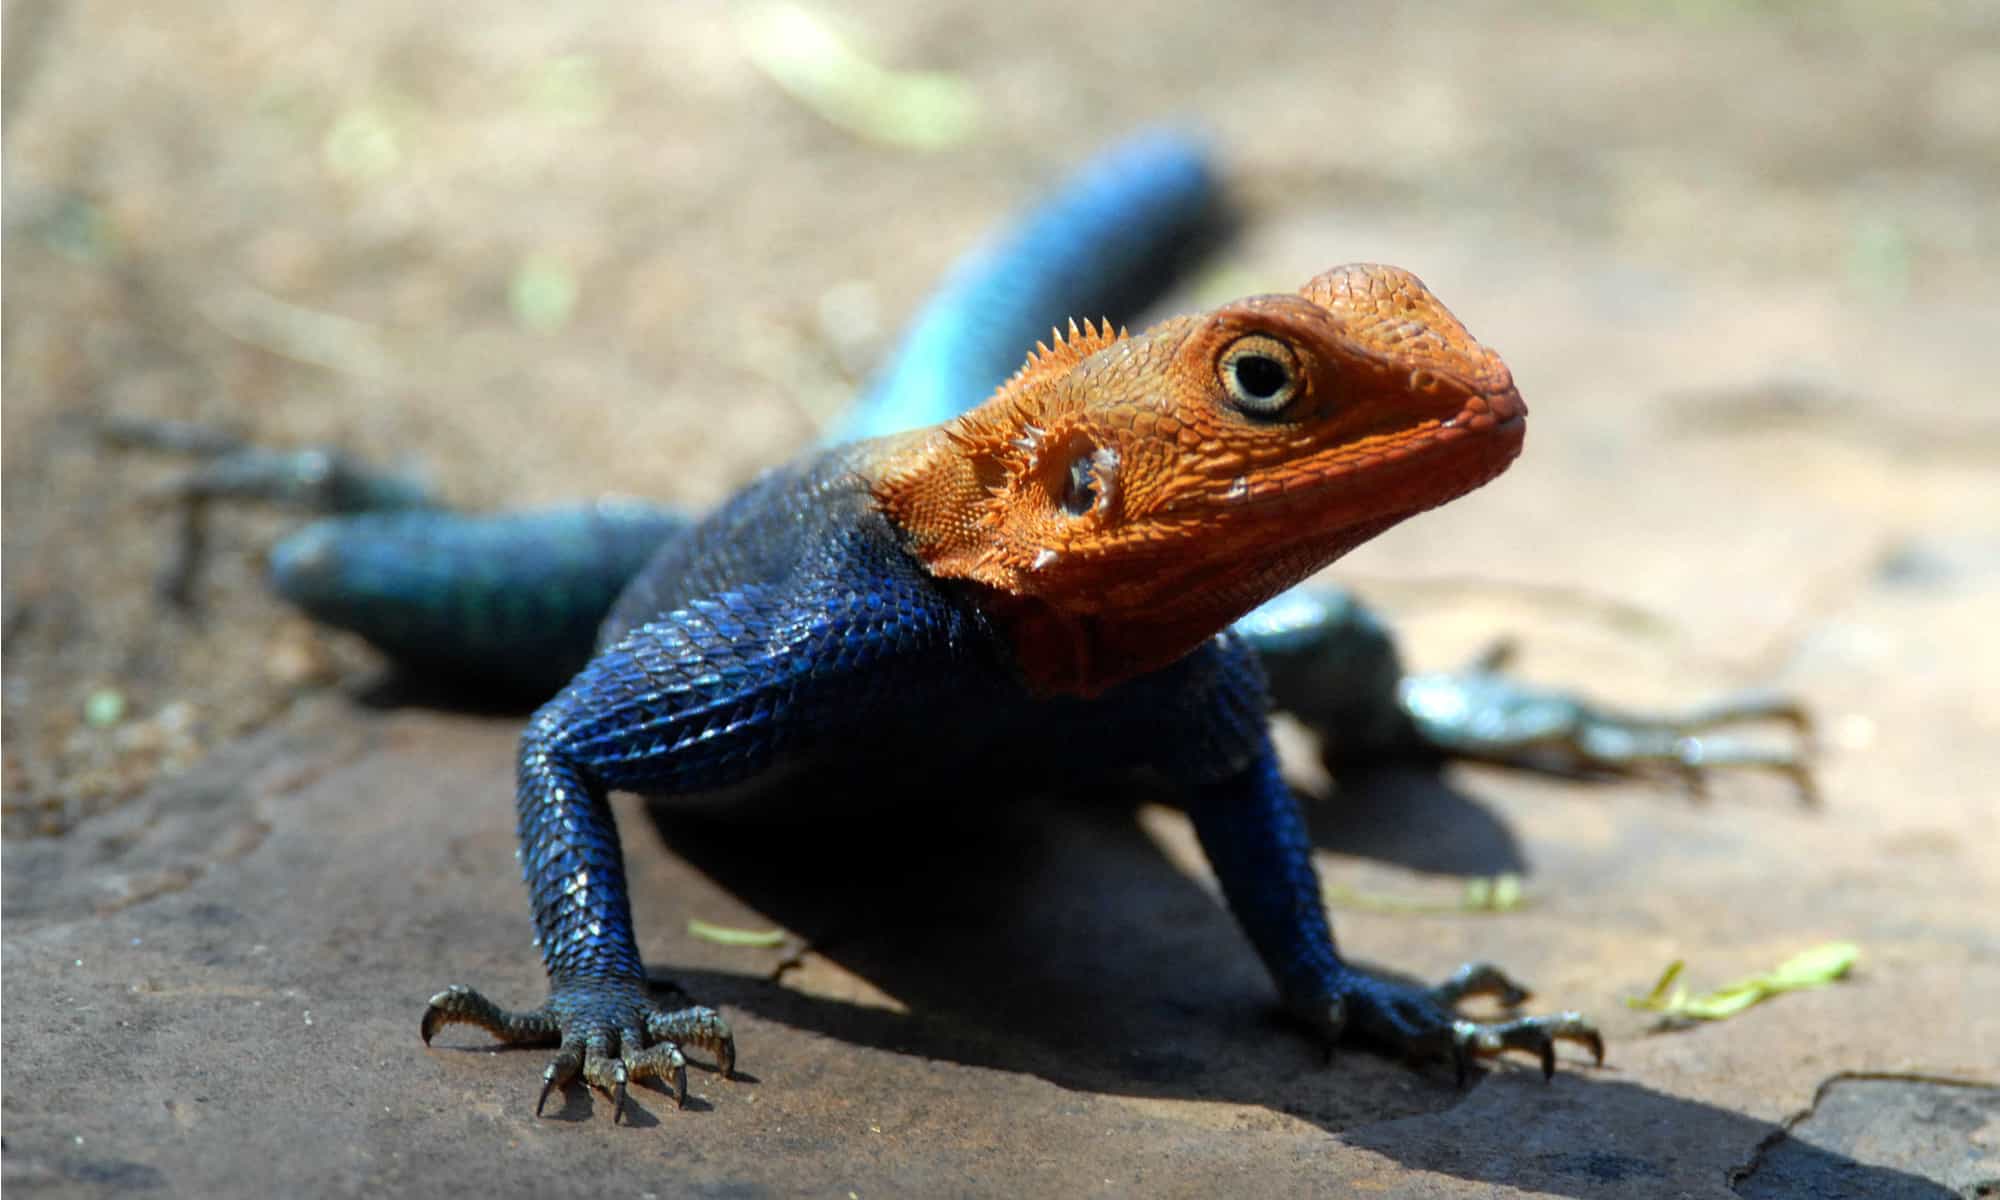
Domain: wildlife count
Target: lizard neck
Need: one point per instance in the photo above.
(936, 495)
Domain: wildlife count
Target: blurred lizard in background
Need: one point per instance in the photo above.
(1093, 569)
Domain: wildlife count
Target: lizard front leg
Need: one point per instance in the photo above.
(707, 695)
(609, 1029)
(1256, 840)
(1250, 828)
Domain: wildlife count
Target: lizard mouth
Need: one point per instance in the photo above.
(1462, 453)
(1495, 409)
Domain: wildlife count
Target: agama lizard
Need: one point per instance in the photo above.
(1069, 555)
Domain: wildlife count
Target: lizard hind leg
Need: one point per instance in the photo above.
(1482, 713)
(1334, 664)
(1254, 835)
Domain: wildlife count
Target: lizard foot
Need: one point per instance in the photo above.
(609, 1033)
(1423, 1022)
(1482, 713)
(231, 469)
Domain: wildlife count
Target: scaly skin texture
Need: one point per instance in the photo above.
(1121, 499)
(1067, 556)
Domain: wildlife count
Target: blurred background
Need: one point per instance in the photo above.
(1740, 255)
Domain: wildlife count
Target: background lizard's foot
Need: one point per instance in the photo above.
(610, 1033)
(232, 469)
(318, 479)
(1480, 712)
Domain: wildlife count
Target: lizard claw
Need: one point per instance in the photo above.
(608, 1033)
(1422, 1022)
(564, 1067)
(1536, 1034)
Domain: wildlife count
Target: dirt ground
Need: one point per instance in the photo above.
(1740, 257)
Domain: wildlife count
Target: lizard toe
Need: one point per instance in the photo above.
(461, 1005)
(1538, 1035)
(1480, 979)
(1423, 1023)
(695, 1025)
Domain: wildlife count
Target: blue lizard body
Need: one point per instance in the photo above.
(792, 627)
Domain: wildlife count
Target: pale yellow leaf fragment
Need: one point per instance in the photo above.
(724, 935)
(1812, 968)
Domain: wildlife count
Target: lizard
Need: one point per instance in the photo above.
(1072, 553)
(1068, 555)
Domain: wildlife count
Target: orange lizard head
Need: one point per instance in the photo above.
(1122, 499)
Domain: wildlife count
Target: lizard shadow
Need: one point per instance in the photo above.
(1413, 815)
(1057, 937)
(397, 687)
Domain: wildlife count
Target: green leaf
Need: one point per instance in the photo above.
(1499, 893)
(1657, 998)
(803, 54)
(1812, 968)
(542, 293)
(1725, 1002)
(1492, 894)
(104, 708)
(723, 935)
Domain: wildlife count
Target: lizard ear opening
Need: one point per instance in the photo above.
(1261, 375)
(1080, 489)
(1090, 483)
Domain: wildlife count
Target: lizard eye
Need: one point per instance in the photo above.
(1261, 375)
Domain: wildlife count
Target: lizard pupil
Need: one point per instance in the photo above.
(1260, 376)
